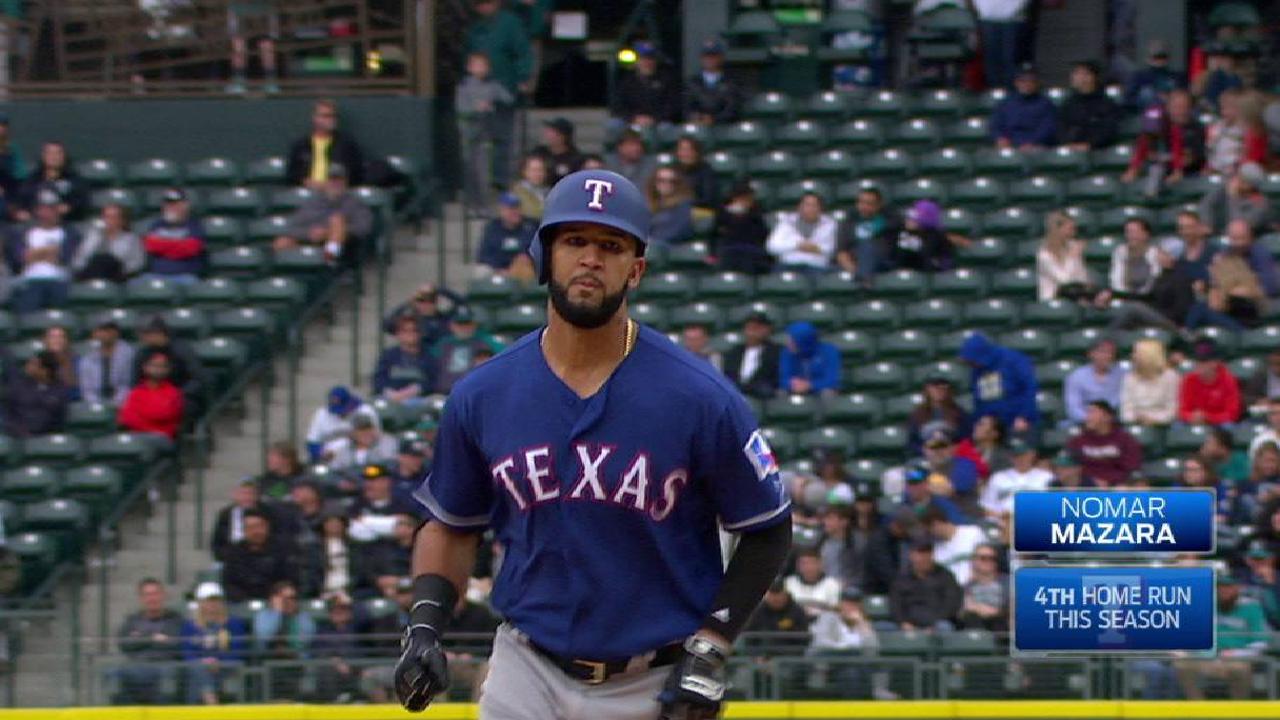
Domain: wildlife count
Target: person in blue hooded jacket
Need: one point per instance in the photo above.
(1003, 383)
(808, 365)
(1026, 119)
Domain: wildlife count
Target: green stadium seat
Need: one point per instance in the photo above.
(931, 313)
(1051, 375)
(153, 171)
(667, 287)
(265, 171)
(887, 443)
(375, 198)
(89, 419)
(31, 483)
(907, 344)
(915, 133)
(38, 553)
(800, 135)
(945, 162)
(1260, 340)
(901, 285)
(222, 231)
(241, 201)
(153, 200)
(1060, 162)
(10, 517)
(99, 172)
(97, 486)
(124, 317)
(519, 319)
(855, 346)
(774, 106)
(857, 134)
(830, 164)
(966, 643)
(1035, 343)
(877, 608)
(898, 407)
(213, 171)
(304, 260)
(93, 294)
(220, 353)
(10, 451)
(151, 293)
(1040, 192)
(786, 286)
(782, 441)
(960, 220)
(962, 284)
(876, 315)
(240, 261)
(1151, 438)
(878, 377)
(67, 520)
(1075, 344)
(773, 164)
(953, 370)
(972, 132)
(977, 192)
(823, 314)
(847, 192)
(244, 322)
(124, 450)
(1111, 161)
(748, 135)
(828, 105)
(286, 200)
(187, 323)
(494, 290)
(724, 287)
(688, 256)
(1015, 283)
(921, 188)
(943, 103)
(1051, 314)
(836, 24)
(265, 229)
(1162, 473)
(738, 314)
(987, 101)
(35, 323)
(653, 315)
(999, 162)
(792, 411)
(725, 163)
(789, 194)
(698, 313)
(1012, 222)
(215, 292)
(1245, 367)
(883, 103)
(839, 287)
(281, 294)
(1112, 220)
(855, 409)
(667, 135)
(826, 438)
(888, 163)
(124, 197)
(987, 252)
(865, 470)
(1183, 439)
(1191, 189)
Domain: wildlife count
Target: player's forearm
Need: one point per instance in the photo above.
(755, 564)
(440, 550)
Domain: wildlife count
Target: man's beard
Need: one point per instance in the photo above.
(582, 316)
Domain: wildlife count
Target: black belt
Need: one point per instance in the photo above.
(594, 672)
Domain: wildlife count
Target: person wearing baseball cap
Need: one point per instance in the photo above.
(921, 243)
(411, 462)
(1239, 198)
(937, 404)
(753, 364)
(649, 95)
(504, 243)
(176, 242)
(215, 641)
(1210, 393)
(331, 218)
(1107, 453)
(558, 149)
(927, 595)
(1025, 474)
(1089, 118)
(1026, 119)
(1151, 84)
(710, 97)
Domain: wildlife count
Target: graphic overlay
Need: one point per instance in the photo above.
(1112, 522)
(1133, 610)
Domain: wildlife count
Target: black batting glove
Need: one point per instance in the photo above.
(695, 687)
(423, 671)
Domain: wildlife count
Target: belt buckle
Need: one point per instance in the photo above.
(599, 671)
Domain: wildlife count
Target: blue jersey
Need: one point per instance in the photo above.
(607, 507)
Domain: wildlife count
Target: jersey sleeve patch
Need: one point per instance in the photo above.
(760, 455)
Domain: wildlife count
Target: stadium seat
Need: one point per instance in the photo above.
(877, 378)
(726, 164)
(783, 442)
(688, 256)
(93, 294)
(494, 290)
(855, 346)
(748, 136)
(1051, 314)
(887, 163)
(222, 230)
(305, 260)
(519, 319)
(826, 438)
(1112, 219)
(1015, 283)
(921, 188)
(699, 313)
(724, 287)
(855, 409)
(915, 133)
(213, 292)
(242, 261)
(944, 162)
(839, 287)
(153, 171)
(1183, 439)
(966, 643)
(827, 105)
(1052, 374)
(779, 164)
(286, 200)
(883, 104)
(971, 132)
(1035, 343)
(655, 316)
(151, 293)
(187, 323)
(830, 164)
(213, 171)
(1011, 222)
(265, 171)
(1060, 162)
(952, 370)
(738, 315)
(908, 345)
(793, 412)
(842, 23)
(1111, 161)
(248, 323)
(960, 220)
(99, 172)
(860, 134)
(789, 194)
(901, 285)
(876, 315)
(977, 192)
(266, 229)
(668, 287)
(97, 486)
(785, 287)
(932, 313)
(1039, 192)
(35, 323)
(986, 252)
(1260, 340)
(801, 135)
(38, 553)
(124, 197)
(943, 103)
(823, 314)
(772, 106)
(31, 483)
(877, 608)
(962, 284)
(999, 162)
(905, 643)
(1162, 473)
(90, 419)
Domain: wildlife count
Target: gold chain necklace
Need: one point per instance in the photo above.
(628, 343)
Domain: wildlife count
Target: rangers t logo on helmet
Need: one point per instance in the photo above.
(626, 210)
(598, 189)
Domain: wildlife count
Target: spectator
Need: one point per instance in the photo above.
(1238, 504)
(252, 566)
(149, 636)
(937, 404)
(1262, 582)
(1241, 631)
(484, 113)
(498, 34)
(310, 157)
(986, 593)
(284, 470)
(1218, 454)
(648, 95)
(303, 513)
(629, 159)
(175, 243)
(925, 595)
(710, 98)
(953, 545)
(805, 239)
(386, 563)
(1088, 118)
(332, 218)
(921, 244)
(36, 401)
(671, 203)
(1101, 379)
(1107, 453)
(886, 553)
(592, 161)
(1239, 198)
(1209, 394)
(1172, 293)
(456, 352)
(951, 476)
(1069, 473)
(185, 369)
(1199, 252)
(213, 644)
(56, 174)
(433, 320)
(741, 233)
(57, 340)
(557, 149)
(779, 614)
(807, 364)
(379, 498)
(985, 446)
(262, 24)
(695, 338)
(154, 405)
(1060, 266)
(1026, 474)
(411, 464)
(1263, 385)
(1026, 119)
(1149, 394)
(1237, 293)
(406, 372)
(106, 372)
(532, 187)
(848, 631)
(1269, 433)
(283, 633)
(1152, 84)
(841, 548)
(701, 178)
(754, 364)
(40, 256)
(812, 588)
(1234, 138)
(1134, 265)
(1172, 139)
(228, 527)
(1003, 383)
(1218, 77)
(364, 445)
(110, 250)
(337, 640)
(862, 250)
(335, 419)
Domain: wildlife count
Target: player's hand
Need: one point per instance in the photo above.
(696, 685)
(423, 671)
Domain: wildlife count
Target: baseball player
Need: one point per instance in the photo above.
(604, 458)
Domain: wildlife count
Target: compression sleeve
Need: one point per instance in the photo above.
(754, 566)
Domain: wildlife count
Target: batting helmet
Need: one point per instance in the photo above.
(590, 196)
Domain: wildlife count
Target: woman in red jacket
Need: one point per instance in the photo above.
(154, 405)
(1210, 394)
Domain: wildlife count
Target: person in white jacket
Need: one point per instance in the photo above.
(1149, 393)
(1134, 265)
(1026, 474)
(812, 588)
(806, 238)
(1060, 259)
